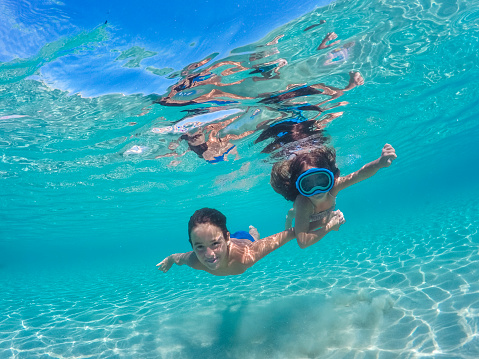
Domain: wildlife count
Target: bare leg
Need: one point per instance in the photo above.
(237, 137)
(275, 40)
(237, 67)
(218, 93)
(355, 79)
(322, 122)
(341, 103)
(229, 83)
(314, 25)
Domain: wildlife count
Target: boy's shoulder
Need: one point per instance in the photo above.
(240, 242)
(240, 251)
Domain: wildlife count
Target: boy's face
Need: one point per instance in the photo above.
(210, 246)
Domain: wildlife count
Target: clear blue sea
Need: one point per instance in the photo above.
(88, 205)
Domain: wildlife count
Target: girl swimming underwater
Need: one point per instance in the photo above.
(312, 181)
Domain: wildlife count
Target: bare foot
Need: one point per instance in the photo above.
(329, 37)
(254, 233)
(335, 221)
(355, 79)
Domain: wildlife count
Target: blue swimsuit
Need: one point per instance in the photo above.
(222, 157)
(242, 235)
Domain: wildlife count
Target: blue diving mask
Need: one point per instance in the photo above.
(314, 181)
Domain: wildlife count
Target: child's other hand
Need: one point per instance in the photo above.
(335, 221)
(387, 156)
(165, 264)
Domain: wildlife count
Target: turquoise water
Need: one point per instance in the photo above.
(84, 219)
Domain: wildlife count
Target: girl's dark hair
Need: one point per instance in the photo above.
(290, 132)
(208, 215)
(285, 173)
(285, 127)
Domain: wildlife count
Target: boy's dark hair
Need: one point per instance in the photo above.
(285, 173)
(208, 215)
(198, 149)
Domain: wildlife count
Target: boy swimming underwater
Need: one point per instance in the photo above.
(218, 253)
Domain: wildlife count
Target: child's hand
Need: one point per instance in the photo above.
(387, 156)
(335, 221)
(165, 264)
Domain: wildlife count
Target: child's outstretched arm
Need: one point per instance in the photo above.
(188, 258)
(265, 246)
(370, 169)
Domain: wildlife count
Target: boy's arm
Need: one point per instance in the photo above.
(370, 169)
(265, 246)
(188, 258)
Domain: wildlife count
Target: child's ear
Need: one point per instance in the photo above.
(227, 236)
